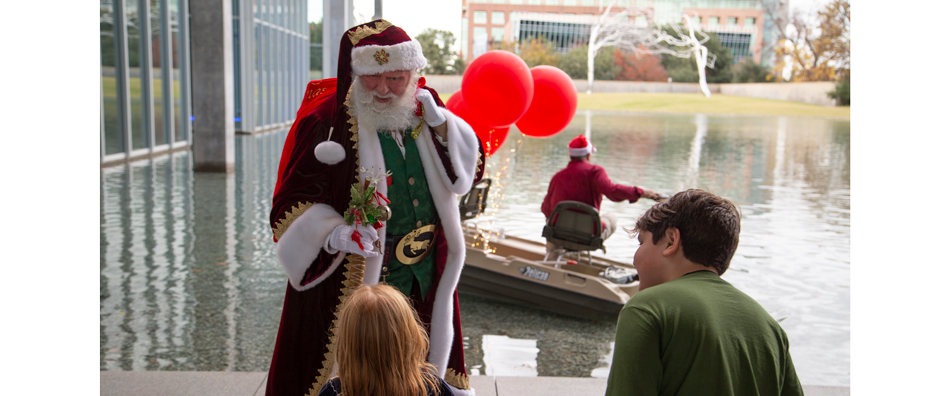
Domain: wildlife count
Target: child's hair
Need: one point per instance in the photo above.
(708, 225)
(382, 346)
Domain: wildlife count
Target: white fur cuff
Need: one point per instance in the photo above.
(303, 240)
(375, 59)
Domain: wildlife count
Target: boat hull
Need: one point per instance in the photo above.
(500, 287)
(513, 270)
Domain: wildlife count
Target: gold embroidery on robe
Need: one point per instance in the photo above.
(354, 267)
(456, 379)
(289, 217)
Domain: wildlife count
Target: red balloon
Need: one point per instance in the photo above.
(497, 88)
(553, 105)
(492, 138)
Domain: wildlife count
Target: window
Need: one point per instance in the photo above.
(732, 21)
(497, 34)
(464, 38)
(552, 2)
(588, 3)
(498, 18)
(534, 2)
(515, 1)
(479, 31)
(481, 17)
(570, 2)
(712, 21)
(498, 1)
(750, 21)
(695, 21)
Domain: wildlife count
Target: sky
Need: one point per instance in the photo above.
(443, 14)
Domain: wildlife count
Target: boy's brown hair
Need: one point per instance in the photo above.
(708, 225)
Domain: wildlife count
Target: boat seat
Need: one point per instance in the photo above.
(473, 203)
(575, 227)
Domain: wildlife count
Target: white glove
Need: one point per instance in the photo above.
(434, 117)
(341, 240)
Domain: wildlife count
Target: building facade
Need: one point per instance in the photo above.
(747, 27)
(145, 82)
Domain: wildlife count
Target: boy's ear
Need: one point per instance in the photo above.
(671, 242)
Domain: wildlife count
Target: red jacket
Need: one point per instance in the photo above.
(588, 183)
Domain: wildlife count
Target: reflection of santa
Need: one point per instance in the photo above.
(380, 120)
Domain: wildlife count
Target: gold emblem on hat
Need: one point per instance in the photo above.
(382, 57)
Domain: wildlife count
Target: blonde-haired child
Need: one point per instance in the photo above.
(382, 347)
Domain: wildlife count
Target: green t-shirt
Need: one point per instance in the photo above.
(699, 335)
(412, 206)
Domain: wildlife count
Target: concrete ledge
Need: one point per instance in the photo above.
(804, 92)
(159, 383)
(217, 383)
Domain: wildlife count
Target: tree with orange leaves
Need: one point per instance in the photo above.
(816, 52)
(639, 66)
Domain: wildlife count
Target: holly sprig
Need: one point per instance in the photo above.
(363, 209)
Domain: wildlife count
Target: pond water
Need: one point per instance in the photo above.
(189, 279)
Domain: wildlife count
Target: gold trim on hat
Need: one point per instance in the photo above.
(366, 31)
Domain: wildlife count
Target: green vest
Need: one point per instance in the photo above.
(412, 207)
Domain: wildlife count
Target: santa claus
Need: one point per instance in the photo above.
(383, 125)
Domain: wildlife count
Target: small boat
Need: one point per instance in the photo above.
(570, 281)
(515, 270)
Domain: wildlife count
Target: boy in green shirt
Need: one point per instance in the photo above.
(688, 331)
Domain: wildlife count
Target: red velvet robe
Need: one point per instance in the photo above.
(301, 362)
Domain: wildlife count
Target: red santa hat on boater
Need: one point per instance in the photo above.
(371, 48)
(580, 147)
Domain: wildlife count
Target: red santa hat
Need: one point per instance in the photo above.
(580, 147)
(380, 47)
(371, 48)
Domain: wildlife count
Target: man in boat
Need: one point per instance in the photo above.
(688, 331)
(585, 182)
(382, 125)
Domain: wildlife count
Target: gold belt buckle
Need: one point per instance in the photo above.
(416, 245)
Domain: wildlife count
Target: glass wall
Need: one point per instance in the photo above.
(272, 62)
(111, 120)
(157, 45)
(144, 105)
(145, 84)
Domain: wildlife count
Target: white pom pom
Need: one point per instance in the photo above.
(329, 152)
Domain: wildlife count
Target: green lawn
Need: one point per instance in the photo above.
(697, 103)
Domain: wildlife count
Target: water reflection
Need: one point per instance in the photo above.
(189, 281)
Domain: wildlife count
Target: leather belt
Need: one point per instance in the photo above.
(410, 248)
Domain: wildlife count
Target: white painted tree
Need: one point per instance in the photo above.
(619, 29)
(686, 45)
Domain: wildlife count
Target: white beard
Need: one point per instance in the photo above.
(395, 115)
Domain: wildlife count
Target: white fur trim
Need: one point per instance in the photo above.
(371, 158)
(329, 152)
(580, 152)
(303, 241)
(461, 392)
(463, 153)
(406, 55)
